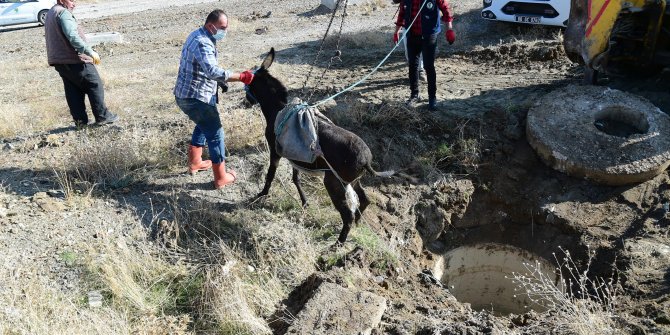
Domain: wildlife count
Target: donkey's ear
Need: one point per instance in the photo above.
(267, 62)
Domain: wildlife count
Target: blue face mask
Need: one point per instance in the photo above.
(220, 34)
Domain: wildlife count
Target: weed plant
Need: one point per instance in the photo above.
(578, 304)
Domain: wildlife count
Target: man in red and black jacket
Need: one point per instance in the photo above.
(422, 40)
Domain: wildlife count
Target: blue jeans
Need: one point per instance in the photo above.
(207, 127)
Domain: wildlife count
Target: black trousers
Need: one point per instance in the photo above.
(79, 81)
(426, 46)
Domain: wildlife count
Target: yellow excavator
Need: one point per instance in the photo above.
(618, 37)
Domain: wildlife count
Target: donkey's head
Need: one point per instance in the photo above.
(265, 89)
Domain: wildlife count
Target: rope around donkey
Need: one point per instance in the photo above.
(303, 105)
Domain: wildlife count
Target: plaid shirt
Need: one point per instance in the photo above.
(443, 5)
(198, 69)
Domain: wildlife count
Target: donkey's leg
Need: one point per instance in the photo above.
(270, 176)
(337, 194)
(362, 199)
(296, 181)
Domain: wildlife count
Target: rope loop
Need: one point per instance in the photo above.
(288, 115)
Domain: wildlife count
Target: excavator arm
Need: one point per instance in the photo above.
(616, 36)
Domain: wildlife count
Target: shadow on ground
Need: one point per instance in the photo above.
(368, 48)
(406, 140)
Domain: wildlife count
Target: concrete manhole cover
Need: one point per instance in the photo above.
(601, 134)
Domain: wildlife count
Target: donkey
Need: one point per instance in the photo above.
(347, 154)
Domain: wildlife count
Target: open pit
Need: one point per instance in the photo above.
(483, 276)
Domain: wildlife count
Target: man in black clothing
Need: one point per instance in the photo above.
(73, 58)
(422, 40)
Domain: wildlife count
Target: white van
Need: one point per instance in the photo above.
(546, 12)
(24, 11)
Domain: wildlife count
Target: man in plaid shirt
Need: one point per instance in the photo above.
(196, 95)
(422, 40)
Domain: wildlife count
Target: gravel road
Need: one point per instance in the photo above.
(111, 8)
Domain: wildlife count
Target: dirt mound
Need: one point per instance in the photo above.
(517, 53)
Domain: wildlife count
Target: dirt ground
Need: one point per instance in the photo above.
(478, 180)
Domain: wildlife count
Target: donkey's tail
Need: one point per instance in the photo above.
(383, 174)
(390, 173)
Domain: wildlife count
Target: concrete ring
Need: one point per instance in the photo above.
(601, 134)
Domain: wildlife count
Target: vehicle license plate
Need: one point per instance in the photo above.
(528, 19)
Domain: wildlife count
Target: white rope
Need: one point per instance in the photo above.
(351, 87)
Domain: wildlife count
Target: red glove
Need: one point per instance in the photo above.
(247, 77)
(451, 36)
(396, 38)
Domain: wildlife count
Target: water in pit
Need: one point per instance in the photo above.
(482, 275)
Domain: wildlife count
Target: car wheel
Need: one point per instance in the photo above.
(42, 16)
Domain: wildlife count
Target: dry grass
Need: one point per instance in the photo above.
(579, 304)
(12, 120)
(139, 285)
(37, 102)
(464, 153)
(133, 90)
(115, 159)
(469, 154)
(379, 116)
(250, 274)
(129, 78)
(138, 277)
(219, 285)
(238, 26)
(38, 307)
(73, 186)
(382, 255)
(29, 118)
(29, 107)
(244, 128)
(236, 296)
(244, 262)
(148, 288)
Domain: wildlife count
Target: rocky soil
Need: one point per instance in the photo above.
(477, 178)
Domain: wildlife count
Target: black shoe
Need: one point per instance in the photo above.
(109, 120)
(432, 104)
(79, 124)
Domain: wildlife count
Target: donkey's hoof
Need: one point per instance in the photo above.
(257, 199)
(337, 245)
